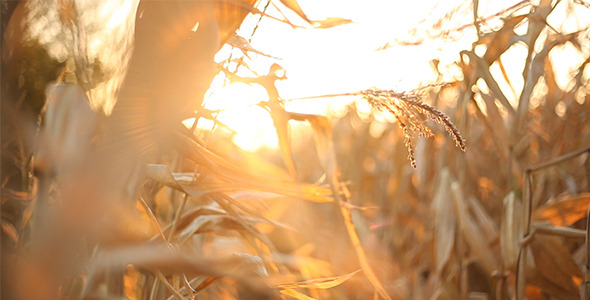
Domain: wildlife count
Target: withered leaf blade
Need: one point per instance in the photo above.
(555, 267)
(320, 283)
(445, 221)
(510, 230)
(330, 22)
(294, 6)
(296, 294)
(565, 211)
(240, 42)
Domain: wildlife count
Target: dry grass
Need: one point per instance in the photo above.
(148, 209)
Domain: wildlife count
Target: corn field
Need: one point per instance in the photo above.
(473, 186)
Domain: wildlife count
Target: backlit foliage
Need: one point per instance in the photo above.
(122, 201)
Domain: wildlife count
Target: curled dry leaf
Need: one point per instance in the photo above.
(319, 283)
(241, 43)
(565, 211)
(329, 22)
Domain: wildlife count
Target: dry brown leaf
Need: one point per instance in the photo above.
(472, 233)
(510, 231)
(70, 125)
(555, 268)
(444, 221)
(486, 222)
(565, 211)
(319, 283)
(323, 140)
(239, 42)
(295, 294)
(9, 230)
(294, 6)
(498, 42)
(327, 23)
(483, 71)
(330, 22)
(498, 129)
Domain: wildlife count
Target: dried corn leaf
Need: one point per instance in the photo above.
(265, 188)
(325, 149)
(323, 140)
(498, 128)
(472, 233)
(296, 294)
(70, 125)
(485, 220)
(564, 211)
(445, 221)
(293, 5)
(498, 42)
(330, 22)
(567, 232)
(483, 71)
(9, 230)
(236, 177)
(555, 268)
(243, 44)
(327, 23)
(319, 283)
(230, 14)
(510, 231)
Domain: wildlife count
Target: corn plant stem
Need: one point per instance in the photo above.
(154, 290)
(167, 284)
(185, 198)
(177, 216)
(528, 235)
(152, 217)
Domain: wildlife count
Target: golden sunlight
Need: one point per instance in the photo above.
(346, 59)
(352, 57)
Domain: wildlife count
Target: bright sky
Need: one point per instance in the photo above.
(344, 58)
(330, 61)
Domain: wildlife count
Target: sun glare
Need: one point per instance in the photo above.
(345, 59)
(321, 62)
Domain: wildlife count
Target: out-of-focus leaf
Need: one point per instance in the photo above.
(323, 140)
(472, 233)
(567, 232)
(327, 23)
(267, 188)
(294, 6)
(510, 230)
(239, 42)
(295, 294)
(485, 220)
(325, 148)
(498, 42)
(444, 221)
(540, 66)
(9, 230)
(70, 126)
(537, 22)
(498, 129)
(233, 176)
(555, 268)
(483, 71)
(319, 283)
(230, 14)
(330, 22)
(564, 211)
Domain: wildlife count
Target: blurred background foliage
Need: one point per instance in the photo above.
(105, 196)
